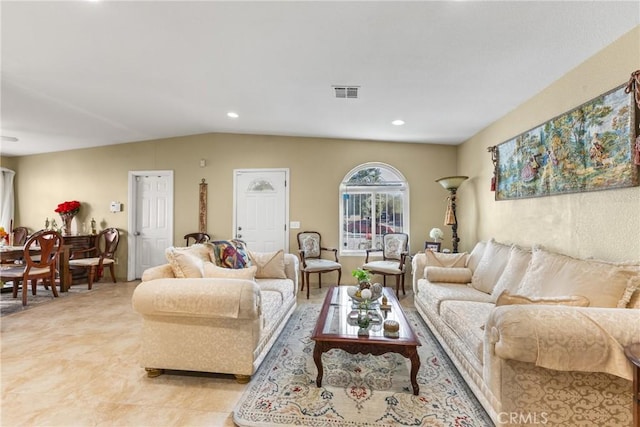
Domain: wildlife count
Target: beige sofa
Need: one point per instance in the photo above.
(547, 351)
(222, 320)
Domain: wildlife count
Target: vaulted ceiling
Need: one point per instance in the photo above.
(83, 74)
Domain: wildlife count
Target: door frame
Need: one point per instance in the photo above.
(287, 186)
(133, 211)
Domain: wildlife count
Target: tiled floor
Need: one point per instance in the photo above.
(73, 362)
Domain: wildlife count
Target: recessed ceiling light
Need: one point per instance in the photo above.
(397, 122)
(232, 115)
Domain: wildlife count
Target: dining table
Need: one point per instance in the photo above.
(15, 254)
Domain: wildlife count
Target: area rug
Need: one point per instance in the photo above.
(357, 390)
(10, 305)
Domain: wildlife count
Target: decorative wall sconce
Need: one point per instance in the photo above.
(451, 184)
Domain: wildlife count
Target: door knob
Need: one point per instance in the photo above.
(239, 228)
(137, 233)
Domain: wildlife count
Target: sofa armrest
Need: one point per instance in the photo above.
(202, 297)
(588, 339)
(418, 263)
(157, 272)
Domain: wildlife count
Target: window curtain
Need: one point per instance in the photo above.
(7, 198)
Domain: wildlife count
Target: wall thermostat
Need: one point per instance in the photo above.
(115, 207)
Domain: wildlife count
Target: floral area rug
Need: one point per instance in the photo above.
(357, 390)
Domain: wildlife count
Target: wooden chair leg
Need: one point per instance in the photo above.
(302, 279)
(308, 283)
(25, 285)
(398, 285)
(113, 272)
(319, 280)
(53, 284)
(339, 276)
(34, 286)
(92, 272)
(16, 285)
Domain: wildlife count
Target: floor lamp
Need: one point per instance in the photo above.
(451, 184)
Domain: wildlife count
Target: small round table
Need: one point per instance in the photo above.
(632, 352)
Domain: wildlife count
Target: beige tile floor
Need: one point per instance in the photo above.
(73, 362)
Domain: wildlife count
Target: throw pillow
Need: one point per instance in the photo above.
(476, 255)
(513, 272)
(447, 275)
(213, 271)
(230, 254)
(183, 263)
(491, 265)
(551, 274)
(506, 298)
(270, 265)
(442, 259)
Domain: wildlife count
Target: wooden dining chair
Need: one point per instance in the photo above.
(20, 235)
(311, 261)
(197, 238)
(95, 258)
(47, 245)
(395, 247)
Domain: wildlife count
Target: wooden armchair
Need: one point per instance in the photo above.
(20, 235)
(394, 252)
(310, 251)
(103, 253)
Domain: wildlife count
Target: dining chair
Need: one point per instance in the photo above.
(197, 238)
(47, 245)
(310, 251)
(102, 254)
(20, 235)
(395, 247)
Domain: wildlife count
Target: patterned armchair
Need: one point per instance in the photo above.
(395, 247)
(310, 251)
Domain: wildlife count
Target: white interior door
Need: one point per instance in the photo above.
(150, 220)
(261, 206)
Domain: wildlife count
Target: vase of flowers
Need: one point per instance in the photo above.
(68, 210)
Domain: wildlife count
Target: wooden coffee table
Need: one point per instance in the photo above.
(336, 329)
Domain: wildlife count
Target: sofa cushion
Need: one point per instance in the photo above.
(447, 275)
(184, 262)
(491, 265)
(467, 319)
(551, 274)
(506, 298)
(441, 259)
(284, 287)
(433, 294)
(269, 264)
(213, 271)
(476, 254)
(513, 272)
(230, 254)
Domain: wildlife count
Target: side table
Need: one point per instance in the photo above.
(632, 352)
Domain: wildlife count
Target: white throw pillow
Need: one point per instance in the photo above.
(491, 265)
(551, 274)
(447, 274)
(476, 255)
(183, 263)
(513, 272)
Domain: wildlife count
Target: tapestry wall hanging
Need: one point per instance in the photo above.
(589, 148)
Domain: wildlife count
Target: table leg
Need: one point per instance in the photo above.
(317, 358)
(65, 273)
(415, 367)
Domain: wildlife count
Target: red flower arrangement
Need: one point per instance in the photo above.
(68, 208)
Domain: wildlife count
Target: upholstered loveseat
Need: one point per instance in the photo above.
(539, 337)
(212, 310)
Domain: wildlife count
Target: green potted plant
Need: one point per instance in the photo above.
(362, 276)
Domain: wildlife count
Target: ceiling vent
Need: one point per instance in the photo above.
(346, 92)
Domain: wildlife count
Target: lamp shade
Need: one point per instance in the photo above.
(451, 182)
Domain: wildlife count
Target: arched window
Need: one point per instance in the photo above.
(374, 202)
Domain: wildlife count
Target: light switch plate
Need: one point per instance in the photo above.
(294, 225)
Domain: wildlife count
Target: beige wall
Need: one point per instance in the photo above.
(99, 175)
(604, 224)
